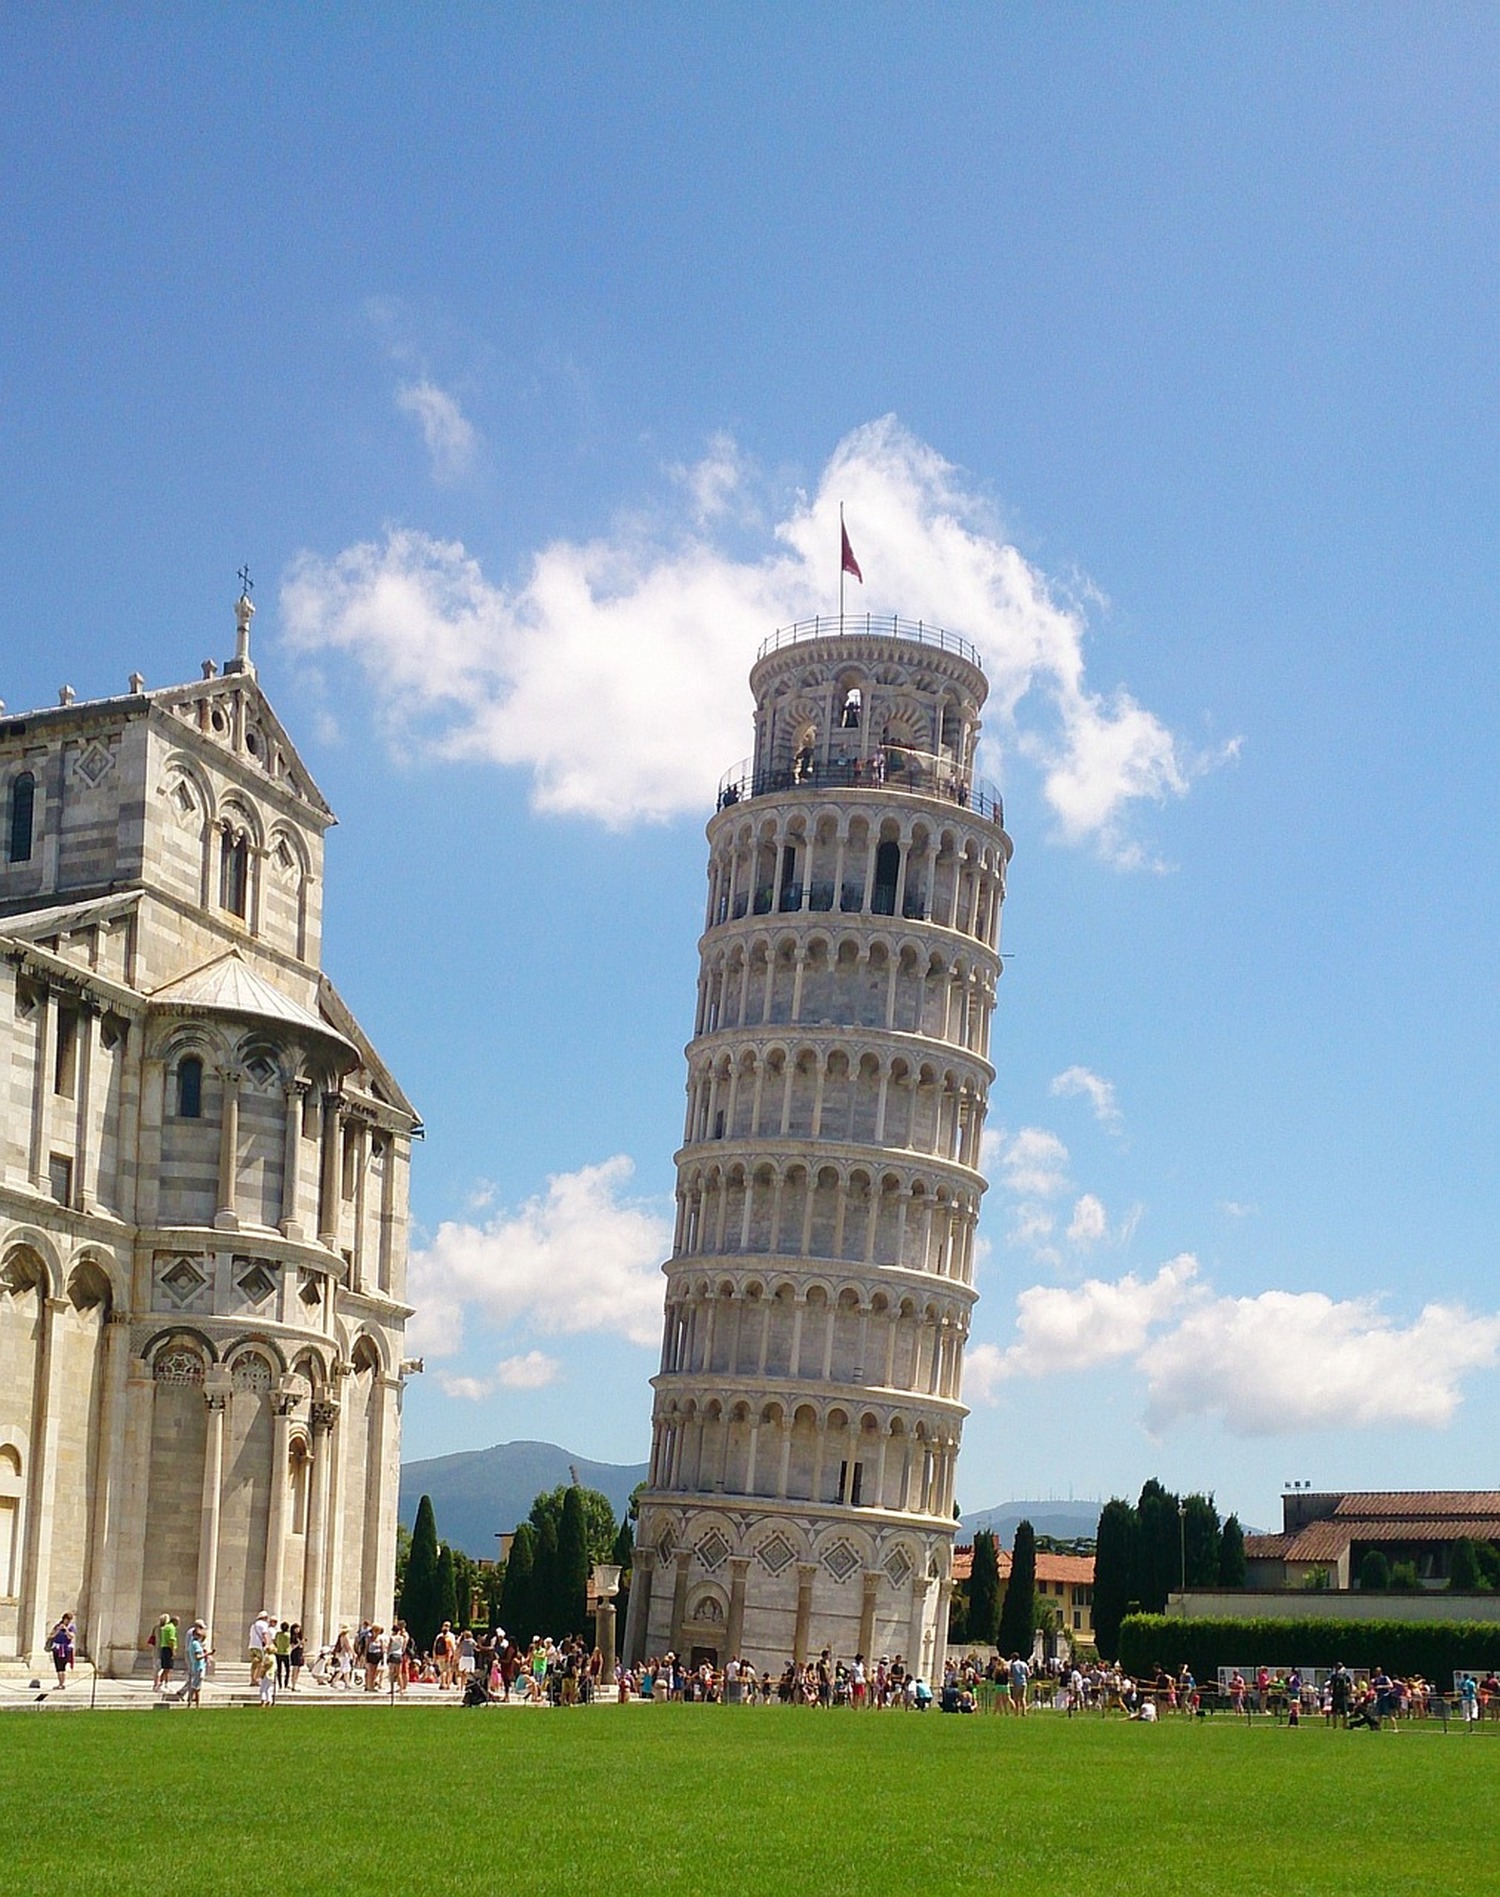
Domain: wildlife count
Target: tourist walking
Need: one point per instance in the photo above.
(259, 1644)
(298, 1655)
(197, 1662)
(60, 1644)
(281, 1647)
(166, 1651)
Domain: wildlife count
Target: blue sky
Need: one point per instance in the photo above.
(526, 355)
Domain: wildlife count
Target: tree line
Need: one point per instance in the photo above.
(541, 1588)
(1146, 1551)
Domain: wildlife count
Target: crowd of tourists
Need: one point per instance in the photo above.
(485, 1666)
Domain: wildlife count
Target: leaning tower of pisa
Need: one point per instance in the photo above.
(807, 1412)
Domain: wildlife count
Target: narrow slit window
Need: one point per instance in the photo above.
(22, 813)
(190, 1088)
(234, 873)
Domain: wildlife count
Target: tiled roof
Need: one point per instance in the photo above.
(230, 986)
(1420, 1504)
(1328, 1540)
(1077, 1568)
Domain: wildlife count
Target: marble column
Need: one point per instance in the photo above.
(97, 1616)
(330, 1183)
(227, 1218)
(919, 1587)
(806, 1571)
(739, 1569)
(291, 1160)
(867, 1614)
(36, 1587)
(314, 1581)
(216, 1389)
(638, 1608)
(283, 1401)
(684, 1560)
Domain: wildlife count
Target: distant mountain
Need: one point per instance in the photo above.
(1065, 1521)
(481, 1493)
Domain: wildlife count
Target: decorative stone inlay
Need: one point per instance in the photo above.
(183, 1281)
(258, 1282)
(96, 762)
(898, 1568)
(665, 1544)
(180, 1364)
(840, 1560)
(713, 1550)
(776, 1554)
(310, 1290)
(252, 1372)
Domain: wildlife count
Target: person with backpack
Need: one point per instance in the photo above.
(60, 1644)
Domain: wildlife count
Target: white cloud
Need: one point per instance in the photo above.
(450, 437)
(534, 1371)
(1035, 1164)
(1088, 1223)
(1099, 1093)
(613, 671)
(1073, 1327)
(579, 1257)
(1236, 1209)
(1269, 1365)
(1287, 1361)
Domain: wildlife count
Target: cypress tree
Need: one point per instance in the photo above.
(1232, 1554)
(418, 1605)
(1203, 1539)
(1157, 1548)
(1114, 1560)
(516, 1589)
(573, 1566)
(984, 1589)
(544, 1595)
(1018, 1610)
(1374, 1570)
(447, 1593)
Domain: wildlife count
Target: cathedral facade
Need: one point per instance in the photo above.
(203, 1187)
(807, 1410)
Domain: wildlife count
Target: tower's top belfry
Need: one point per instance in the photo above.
(856, 704)
(808, 1407)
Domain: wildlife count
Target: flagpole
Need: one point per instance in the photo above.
(841, 566)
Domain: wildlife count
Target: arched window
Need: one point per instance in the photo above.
(853, 704)
(887, 873)
(22, 810)
(190, 1088)
(234, 872)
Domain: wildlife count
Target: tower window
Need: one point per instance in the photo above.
(190, 1088)
(234, 873)
(65, 1066)
(22, 810)
(887, 873)
(852, 707)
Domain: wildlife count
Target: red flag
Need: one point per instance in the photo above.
(851, 565)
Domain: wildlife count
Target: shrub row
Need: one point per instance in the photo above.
(1406, 1648)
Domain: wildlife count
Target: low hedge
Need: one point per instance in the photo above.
(1406, 1648)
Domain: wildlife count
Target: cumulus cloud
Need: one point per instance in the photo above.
(1269, 1365)
(1287, 1361)
(1035, 1164)
(1099, 1093)
(449, 435)
(581, 1256)
(613, 670)
(534, 1371)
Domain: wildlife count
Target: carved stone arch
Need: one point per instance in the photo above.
(287, 852)
(180, 767)
(772, 1413)
(240, 814)
(178, 1337)
(90, 1284)
(30, 1261)
(368, 1352)
(256, 1344)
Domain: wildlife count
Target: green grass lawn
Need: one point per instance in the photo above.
(725, 1800)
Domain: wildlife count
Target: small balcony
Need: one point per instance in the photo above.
(871, 625)
(892, 768)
